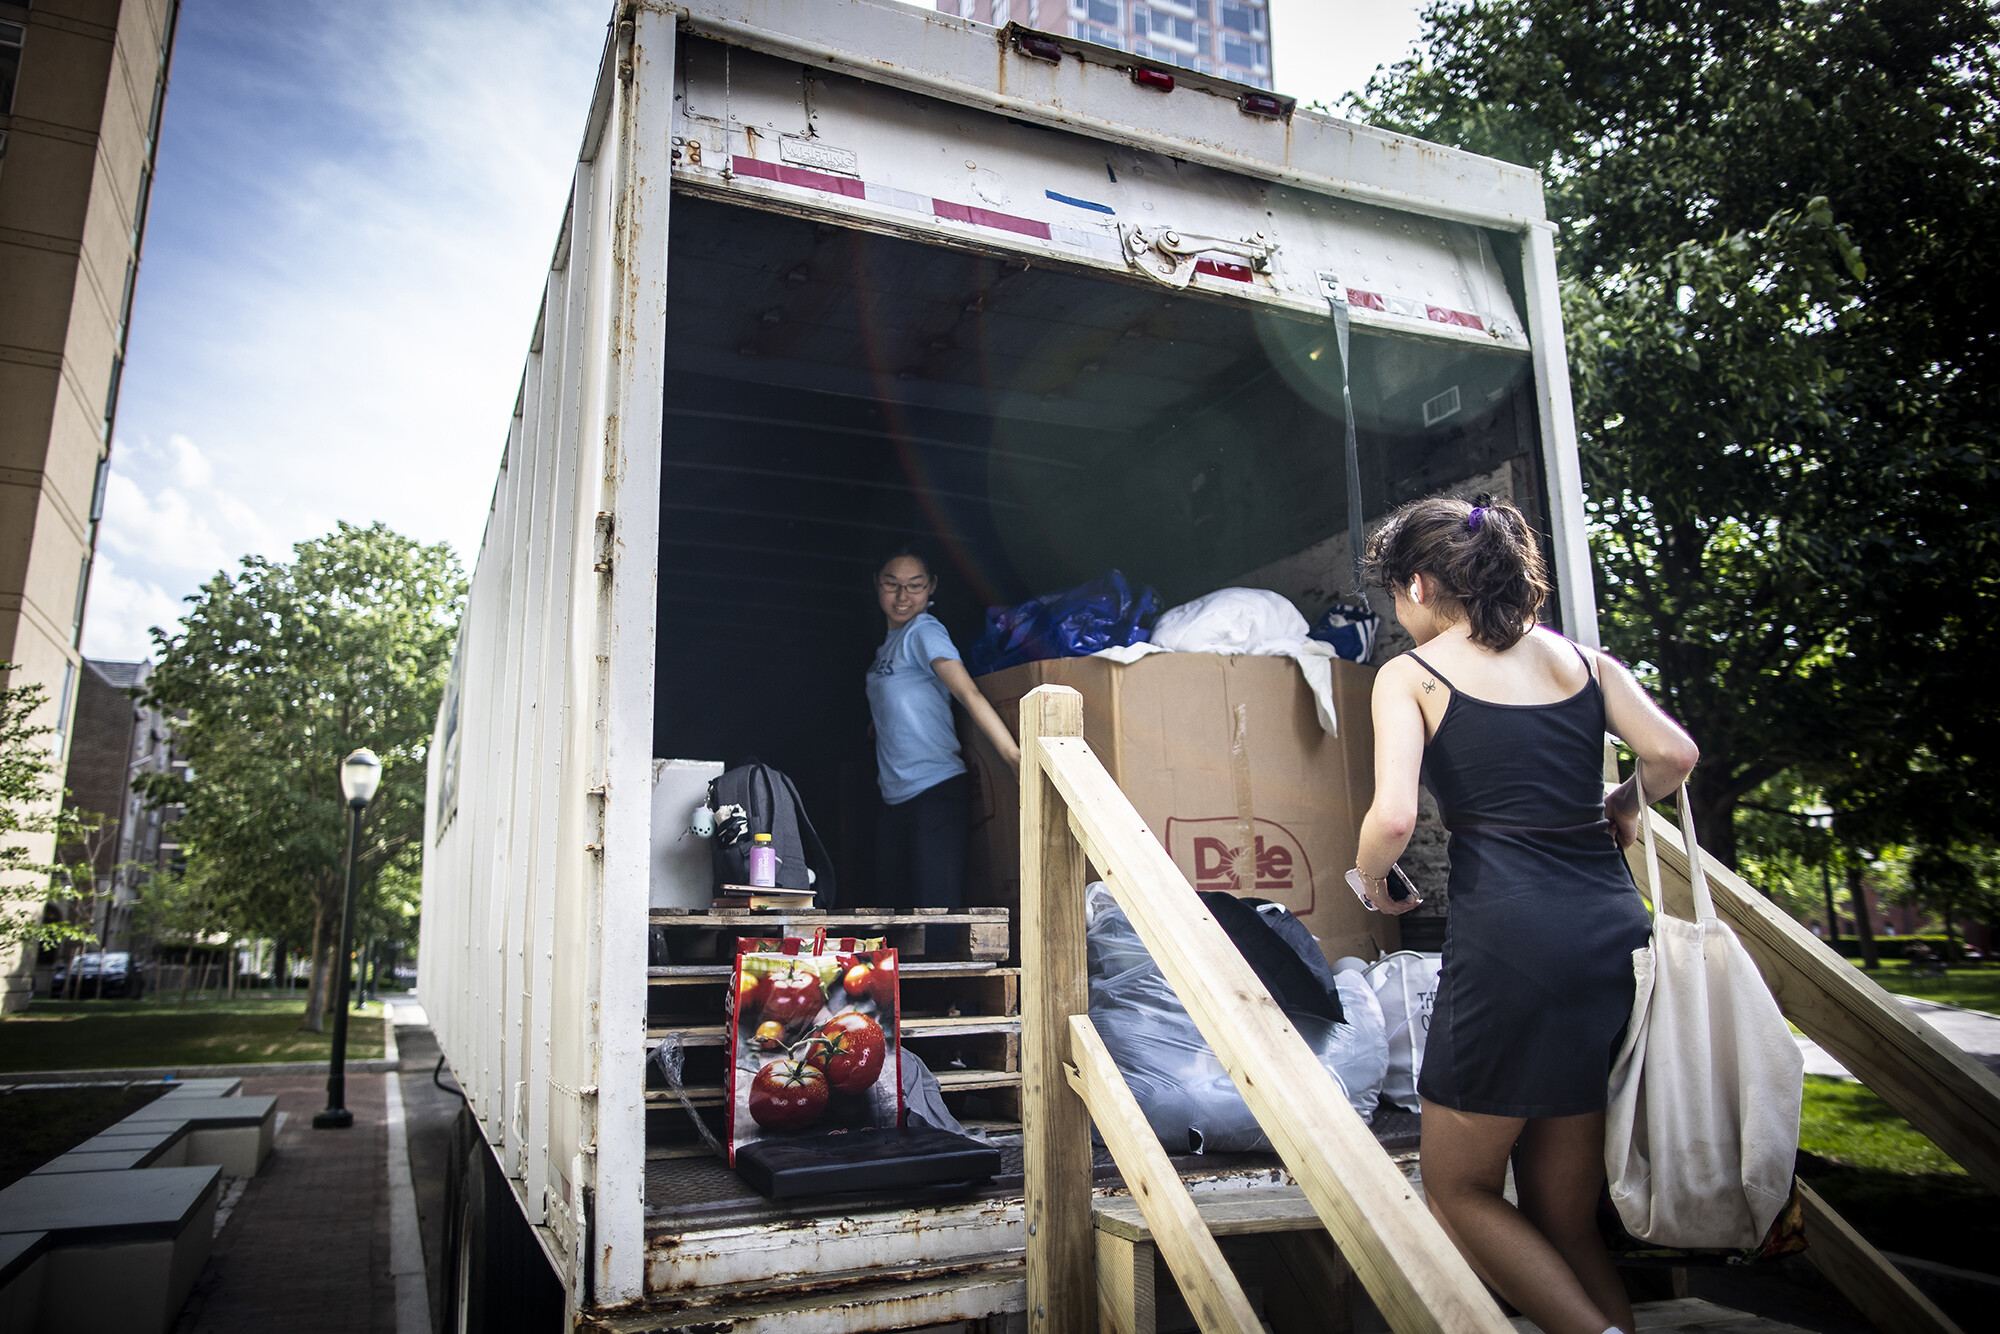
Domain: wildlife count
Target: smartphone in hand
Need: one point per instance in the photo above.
(1402, 893)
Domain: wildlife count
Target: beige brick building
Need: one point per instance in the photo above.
(82, 86)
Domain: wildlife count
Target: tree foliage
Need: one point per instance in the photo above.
(1777, 218)
(274, 676)
(28, 806)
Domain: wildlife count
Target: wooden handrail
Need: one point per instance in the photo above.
(1211, 1290)
(1070, 808)
(1939, 1089)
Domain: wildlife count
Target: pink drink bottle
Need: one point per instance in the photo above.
(763, 862)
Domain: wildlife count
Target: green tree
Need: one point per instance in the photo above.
(28, 806)
(275, 675)
(1775, 220)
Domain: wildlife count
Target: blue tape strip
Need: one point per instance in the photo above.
(1080, 203)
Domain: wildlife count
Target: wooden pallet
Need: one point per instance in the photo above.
(960, 1012)
(697, 936)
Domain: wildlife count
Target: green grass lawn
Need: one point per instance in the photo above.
(110, 1034)
(1968, 986)
(1844, 1123)
(1897, 1188)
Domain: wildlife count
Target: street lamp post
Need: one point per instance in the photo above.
(360, 773)
(1821, 817)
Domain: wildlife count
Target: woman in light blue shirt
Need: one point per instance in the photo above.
(926, 817)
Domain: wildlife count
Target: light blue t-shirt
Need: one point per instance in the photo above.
(916, 745)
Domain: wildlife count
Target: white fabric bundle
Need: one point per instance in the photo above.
(1252, 621)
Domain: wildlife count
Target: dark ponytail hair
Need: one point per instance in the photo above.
(1484, 557)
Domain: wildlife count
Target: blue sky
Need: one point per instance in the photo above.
(353, 216)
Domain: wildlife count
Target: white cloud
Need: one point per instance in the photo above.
(350, 229)
(121, 610)
(191, 467)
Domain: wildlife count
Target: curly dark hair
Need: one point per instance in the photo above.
(1483, 557)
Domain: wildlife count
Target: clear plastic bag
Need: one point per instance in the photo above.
(1187, 1096)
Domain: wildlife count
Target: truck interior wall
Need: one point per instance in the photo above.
(833, 393)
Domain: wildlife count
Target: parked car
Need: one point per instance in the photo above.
(98, 974)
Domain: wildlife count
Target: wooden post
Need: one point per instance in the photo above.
(1184, 1241)
(1062, 1282)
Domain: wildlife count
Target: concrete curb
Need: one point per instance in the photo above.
(388, 1061)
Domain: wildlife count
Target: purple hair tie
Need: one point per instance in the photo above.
(1473, 520)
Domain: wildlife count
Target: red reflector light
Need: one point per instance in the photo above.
(1041, 48)
(1153, 78)
(1262, 104)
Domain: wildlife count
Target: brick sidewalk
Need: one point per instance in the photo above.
(306, 1249)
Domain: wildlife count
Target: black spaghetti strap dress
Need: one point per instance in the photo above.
(1536, 986)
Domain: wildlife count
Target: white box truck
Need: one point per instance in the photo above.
(834, 275)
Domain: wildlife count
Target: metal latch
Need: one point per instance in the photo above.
(1169, 256)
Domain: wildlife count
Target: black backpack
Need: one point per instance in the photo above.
(755, 799)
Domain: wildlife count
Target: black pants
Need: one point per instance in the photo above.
(920, 848)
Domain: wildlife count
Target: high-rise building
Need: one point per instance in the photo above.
(1230, 38)
(82, 86)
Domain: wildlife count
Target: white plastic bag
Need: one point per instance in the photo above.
(1702, 1130)
(1406, 984)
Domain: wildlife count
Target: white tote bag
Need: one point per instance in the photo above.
(1702, 1130)
(1406, 983)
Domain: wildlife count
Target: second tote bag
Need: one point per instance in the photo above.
(1702, 1130)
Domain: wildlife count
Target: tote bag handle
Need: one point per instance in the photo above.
(1704, 902)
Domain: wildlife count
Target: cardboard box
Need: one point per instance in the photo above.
(1165, 728)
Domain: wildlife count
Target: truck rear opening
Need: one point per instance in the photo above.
(833, 393)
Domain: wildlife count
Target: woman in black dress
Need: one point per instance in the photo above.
(1504, 722)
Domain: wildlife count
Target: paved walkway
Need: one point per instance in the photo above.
(330, 1238)
(1975, 1033)
(306, 1249)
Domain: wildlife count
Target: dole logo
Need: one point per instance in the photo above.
(1207, 851)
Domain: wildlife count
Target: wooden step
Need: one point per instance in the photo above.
(1228, 1213)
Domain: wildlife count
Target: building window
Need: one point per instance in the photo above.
(1240, 17)
(139, 206)
(111, 397)
(125, 301)
(12, 35)
(1254, 55)
(82, 592)
(62, 705)
(98, 487)
(1171, 28)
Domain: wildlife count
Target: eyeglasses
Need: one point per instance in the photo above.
(890, 586)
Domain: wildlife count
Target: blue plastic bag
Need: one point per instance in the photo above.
(1083, 620)
(1351, 631)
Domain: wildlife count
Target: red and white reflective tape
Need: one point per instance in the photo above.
(911, 202)
(882, 194)
(1418, 310)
